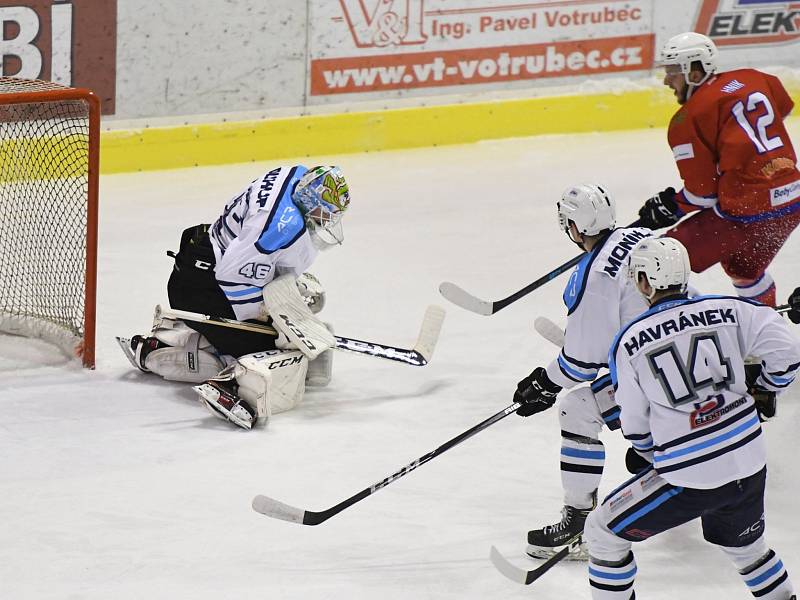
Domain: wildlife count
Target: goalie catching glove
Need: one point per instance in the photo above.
(536, 393)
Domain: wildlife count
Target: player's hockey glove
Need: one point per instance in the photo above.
(794, 302)
(660, 211)
(635, 462)
(766, 401)
(536, 393)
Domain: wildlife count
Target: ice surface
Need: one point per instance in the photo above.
(118, 485)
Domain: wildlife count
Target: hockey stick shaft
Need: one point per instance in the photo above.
(419, 355)
(464, 299)
(278, 510)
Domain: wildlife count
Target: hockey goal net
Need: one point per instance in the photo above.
(49, 151)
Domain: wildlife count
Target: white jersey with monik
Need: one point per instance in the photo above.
(600, 298)
(260, 235)
(679, 376)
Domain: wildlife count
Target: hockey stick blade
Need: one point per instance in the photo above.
(277, 510)
(429, 332)
(524, 576)
(465, 300)
(418, 356)
(549, 331)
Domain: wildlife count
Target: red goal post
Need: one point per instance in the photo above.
(49, 177)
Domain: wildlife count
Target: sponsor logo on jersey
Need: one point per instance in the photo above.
(649, 480)
(638, 534)
(623, 497)
(741, 22)
(685, 320)
(619, 253)
(785, 193)
(287, 216)
(711, 410)
(683, 151)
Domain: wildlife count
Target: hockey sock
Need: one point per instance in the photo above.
(581, 469)
(761, 290)
(768, 579)
(612, 582)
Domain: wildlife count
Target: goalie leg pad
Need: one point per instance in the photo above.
(294, 319)
(186, 356)
(272, 381)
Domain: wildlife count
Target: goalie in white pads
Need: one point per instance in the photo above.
(679, 372)
(250, 266)
(599, 299)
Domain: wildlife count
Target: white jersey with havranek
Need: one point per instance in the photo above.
(680, 382)
(600, 299)
(260, 235)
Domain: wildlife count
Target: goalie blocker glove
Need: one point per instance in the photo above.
(536, 393)
(660, 211)
(794, 302)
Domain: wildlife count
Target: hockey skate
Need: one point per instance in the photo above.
(137, 348)
(546, 542)
(220, 396)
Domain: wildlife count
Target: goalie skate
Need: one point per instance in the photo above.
(546, 542)
(137, 348)
(221, 399)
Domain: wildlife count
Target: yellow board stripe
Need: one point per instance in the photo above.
(297, 137)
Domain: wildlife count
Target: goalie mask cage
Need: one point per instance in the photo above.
(49, 159)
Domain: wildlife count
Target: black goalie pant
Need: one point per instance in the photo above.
(193, 287)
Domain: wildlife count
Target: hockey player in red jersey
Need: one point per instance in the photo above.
(739, 171)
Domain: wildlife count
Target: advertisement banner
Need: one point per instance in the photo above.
(68, 42)
(748, 22)
(380, 45)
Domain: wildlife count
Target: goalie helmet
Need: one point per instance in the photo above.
(664, 261)
(686, 48)
(322, 195)
(590, 207)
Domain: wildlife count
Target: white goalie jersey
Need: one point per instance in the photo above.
(600, 299)
(680, 382)
(260, 235)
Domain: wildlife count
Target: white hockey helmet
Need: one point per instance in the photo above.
(687, 48)
(664, 261)
(322, 195)
(589, 206)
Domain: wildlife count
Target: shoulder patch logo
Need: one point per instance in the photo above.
(732, 86)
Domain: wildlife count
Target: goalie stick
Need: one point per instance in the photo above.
(464, 299)
(525, 576)
(278, 510)
(419, 356)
